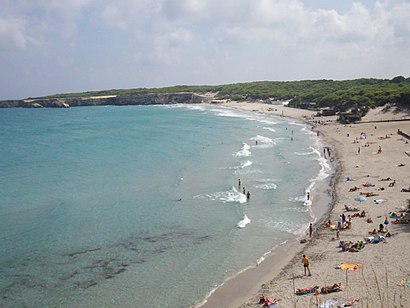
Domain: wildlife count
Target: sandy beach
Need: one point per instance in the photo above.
(370, 161)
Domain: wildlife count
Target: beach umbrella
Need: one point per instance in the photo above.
(360, 199)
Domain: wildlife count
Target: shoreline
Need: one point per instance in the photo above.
(237, 289)
(281, 279)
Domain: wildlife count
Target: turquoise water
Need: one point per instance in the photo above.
(139, 206)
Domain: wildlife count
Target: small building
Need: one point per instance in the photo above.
(348, 117)
(328, 112)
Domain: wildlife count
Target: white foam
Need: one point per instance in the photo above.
(226, 112)
(247, 171)
(261, 259)
(224, 196)
(269, 129)
(312, 151)
(266, 122)
(297, 199)
(291, 227)
(263, 142)
(307, 202)
(266, 186)
(244, 152)
(246, 164)
(324, 168)
(243, 222)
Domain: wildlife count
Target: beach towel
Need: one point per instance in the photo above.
(348, 266)
(330, 303)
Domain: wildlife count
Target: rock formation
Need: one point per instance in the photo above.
(133, 99)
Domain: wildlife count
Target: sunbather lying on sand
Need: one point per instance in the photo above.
(350, 209)
(349, 246)
(362, 214)
(405, 189)
(303, 291)
(368, 194)
(350, 302)
(354, 188)
(386, 179)
(395, 215)
(329, 289)
(401, 221)
(375, 239)
(267, 302)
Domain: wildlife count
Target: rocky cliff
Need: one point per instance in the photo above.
(135, 99)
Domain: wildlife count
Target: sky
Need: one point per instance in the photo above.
(58, 46)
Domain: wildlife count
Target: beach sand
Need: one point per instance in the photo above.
(383, 267)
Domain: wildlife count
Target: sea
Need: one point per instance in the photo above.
(140, 206)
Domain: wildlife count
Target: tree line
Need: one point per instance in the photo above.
(340, 95)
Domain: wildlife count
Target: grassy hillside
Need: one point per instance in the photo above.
(339, 95)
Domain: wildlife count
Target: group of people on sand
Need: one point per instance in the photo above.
(343, 222)
(323, 290)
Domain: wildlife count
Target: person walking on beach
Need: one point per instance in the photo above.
(305, 262)
(310, 230)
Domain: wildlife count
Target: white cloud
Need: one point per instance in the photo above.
(166, 48)
(111, 17)
(401, 22)
(13, 33)
(210, 41)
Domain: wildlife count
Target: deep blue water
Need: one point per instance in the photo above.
(139, 206)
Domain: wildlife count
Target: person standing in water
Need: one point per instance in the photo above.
(239, 184)
(248, 195)
(310, 230)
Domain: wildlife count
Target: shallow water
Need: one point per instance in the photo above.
(140, 205)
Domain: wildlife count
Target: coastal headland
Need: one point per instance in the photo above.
(106, 100)
(372, 160)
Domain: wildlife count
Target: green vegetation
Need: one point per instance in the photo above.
(339, 95)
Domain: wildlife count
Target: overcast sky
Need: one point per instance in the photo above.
(61, 46)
